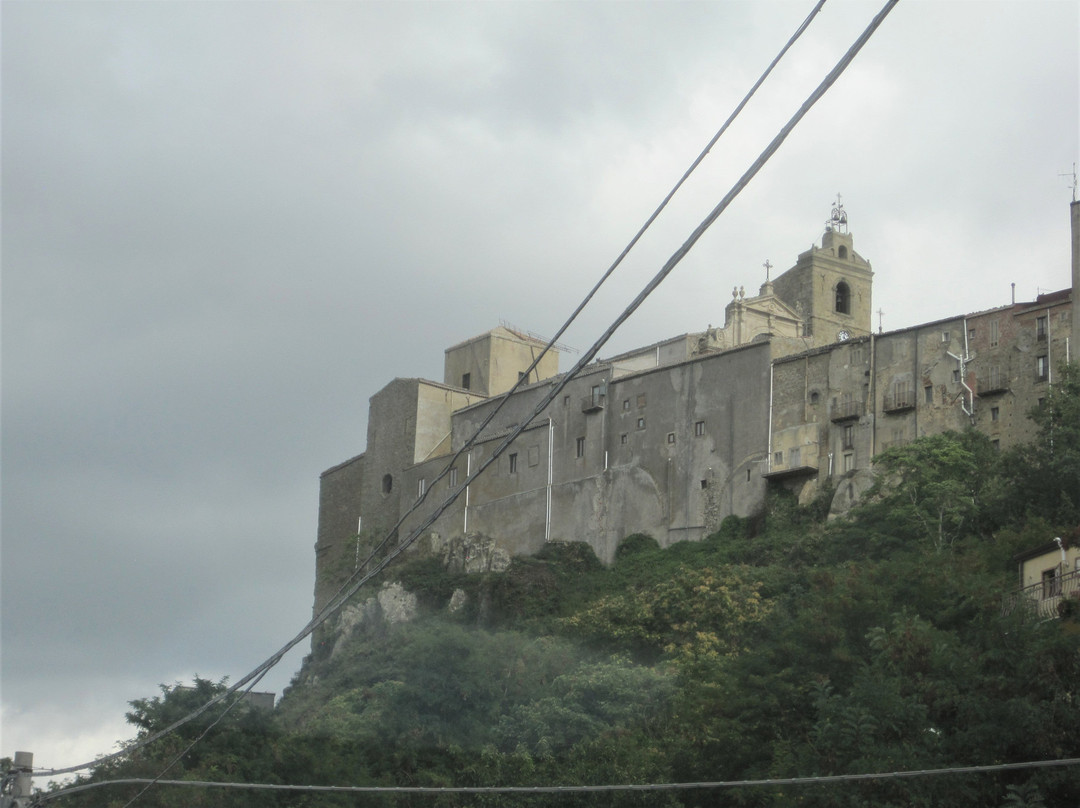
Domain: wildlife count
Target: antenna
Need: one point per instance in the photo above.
(1073, 184)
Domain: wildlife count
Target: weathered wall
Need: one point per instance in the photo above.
(339, 517)
(494, 361)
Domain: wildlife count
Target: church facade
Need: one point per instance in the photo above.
(795, 389)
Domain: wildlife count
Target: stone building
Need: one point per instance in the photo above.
(795, 389)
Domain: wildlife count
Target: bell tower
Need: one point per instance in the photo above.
(830, 285)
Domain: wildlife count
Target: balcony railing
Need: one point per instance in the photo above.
(898, 402)
(847, 411)
(992, 387)
(1044, 598)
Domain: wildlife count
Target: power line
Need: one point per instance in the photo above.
(581, 789)
(354, 583)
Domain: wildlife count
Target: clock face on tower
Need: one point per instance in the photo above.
(843, 335)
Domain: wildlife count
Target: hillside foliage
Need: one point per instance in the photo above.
(785, 646)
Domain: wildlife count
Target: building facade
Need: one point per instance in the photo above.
(795, 390)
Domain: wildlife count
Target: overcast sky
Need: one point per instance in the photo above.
(227, 225)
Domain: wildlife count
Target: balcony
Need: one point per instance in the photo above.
(847, 411)
(991, 387)
(1044, 599)
(593, 403)
(899, 402)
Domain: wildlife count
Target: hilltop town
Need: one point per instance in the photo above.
(794, 390)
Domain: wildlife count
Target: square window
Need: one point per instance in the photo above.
(945, 336)
(699, 428)
(580, 446)
(513, 463)
(670, 437)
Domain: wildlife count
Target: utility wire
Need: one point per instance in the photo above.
(701, 785)
(354, 584)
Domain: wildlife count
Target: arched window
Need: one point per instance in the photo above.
(843, 251)
(843, 298)
(387, 484)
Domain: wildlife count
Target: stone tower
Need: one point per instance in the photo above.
(830, 286)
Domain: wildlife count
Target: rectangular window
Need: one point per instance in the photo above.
(996, 444)
(994, 412)
(795, 457)
(928, 394)
(453, 477)
(1042, 368)
(778, 458)
(704, 484)
(956, 376)
(945, 336)
(670, 437)
(534, 456)
(699, 428)
(513, 463)
(466, 380)
(849, 462)
(626, 404)
(1040, 328)
(580, 446)
(971, 333)
(849, 436)
(994, 333)
(623, 438)
(995, 377)
(640, 423)
(566, 401)
(641, 400)
(1051, 582)
(421, 487)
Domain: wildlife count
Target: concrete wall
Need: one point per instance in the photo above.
(494, 361)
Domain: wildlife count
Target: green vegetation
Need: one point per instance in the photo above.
(785, 646)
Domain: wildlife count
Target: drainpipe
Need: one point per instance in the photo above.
(963, 374)
(547, 504)
(468, 473)
(768, 458)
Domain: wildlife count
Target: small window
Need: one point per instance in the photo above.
(699, 428)
(513, 463)
(994, 413)
(778, 458)
(453, 477)
(640, 423)
(928, 394)
(849, 436)
(1051, 581)
(580, 446)
(641, 400)
(626, 404)
(945, 336)
(623, 438)
(843, 298)
(842, 252)
(421, 487)
(534, 456)
(996, 444)
(1040, 328)
(849, 462)
(466, 381)
(1042, 368)
(387, 484)
(566, 401)
(815, 397)
(956, 376)
(995, 334)
(670, 437)
(971, 333)
(748, 475)
(704, 484)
